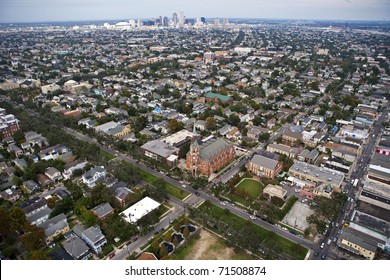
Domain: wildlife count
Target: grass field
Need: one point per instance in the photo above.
(286, 246)
(250, 186)
(171, 189)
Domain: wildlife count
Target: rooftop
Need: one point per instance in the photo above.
(212, 148)
(323, 174)
(265, 162)
(140, 209)
(160, 148)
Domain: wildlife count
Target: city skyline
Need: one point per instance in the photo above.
(14, 11)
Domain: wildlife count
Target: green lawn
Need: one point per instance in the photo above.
(250, 186)
(239, 199)
(171, 189)
(105, 155)
(294, 250)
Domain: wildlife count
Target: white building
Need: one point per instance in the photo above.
(139, 210)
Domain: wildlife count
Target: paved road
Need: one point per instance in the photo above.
(236, 168)
(122, 254)
(238, 211)
(351, 192)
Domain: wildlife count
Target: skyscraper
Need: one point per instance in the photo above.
(181, 19)
(203, 20)
(165, 21)
(175, 19)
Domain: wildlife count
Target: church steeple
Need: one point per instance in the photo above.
(194, 152)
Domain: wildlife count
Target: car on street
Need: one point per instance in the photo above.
(329, 241)
(110, 256)
(322, 245)
(316, 254)
(196, 193)
(323, 256)
(252, 217)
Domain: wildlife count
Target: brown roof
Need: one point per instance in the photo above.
(145, 256)
(43, 179)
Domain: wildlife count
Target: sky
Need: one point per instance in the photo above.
(13, 11)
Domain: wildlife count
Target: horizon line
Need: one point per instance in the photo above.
(241, 18)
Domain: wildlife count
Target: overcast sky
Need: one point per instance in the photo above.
(69, 10)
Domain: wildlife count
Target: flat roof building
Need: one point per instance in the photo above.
(317, 174)
(139, 210)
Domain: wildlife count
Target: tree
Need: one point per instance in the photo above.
(5, 223)
(34, 238)
(163, 251)
(18, 219)
(174, 125)
(264, 137)
(234, 120)
(186, 232)
(210, 123)
(38, 255)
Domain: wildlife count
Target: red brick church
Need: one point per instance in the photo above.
(209, 157)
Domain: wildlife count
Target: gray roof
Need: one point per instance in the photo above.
(213, 147)
(39, 214)
(56, 223)
(102, 209)
(264, 162)
(160, 148)
(75, 246)
(34, 205)
(51, 171)
(78, 229)
(323, 174)
(94, 234)
(381, 160)
(91, 172)
(121, 192)
(313, 154)
(363, 240)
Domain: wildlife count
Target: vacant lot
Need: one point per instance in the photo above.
(251, 187)
(296, 217)
(207, 246)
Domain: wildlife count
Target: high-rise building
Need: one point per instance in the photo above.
(175, 19)
(139, 23)
(165, 21)
(181, 19)
(203, 20)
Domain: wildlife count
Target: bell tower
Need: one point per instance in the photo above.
(194, 153)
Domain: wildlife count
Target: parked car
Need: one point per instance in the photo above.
(322, 245)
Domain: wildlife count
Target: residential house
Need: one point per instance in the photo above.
(53, 174)
(77, 248)
(36, 211)
(31, 186)
(43, 180)
(95, 239)
(121, 193)
(102, 211)
(12, 194)
(55, 226)
(70, 167)
(91, 177)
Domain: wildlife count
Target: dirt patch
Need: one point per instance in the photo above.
(209, 247)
